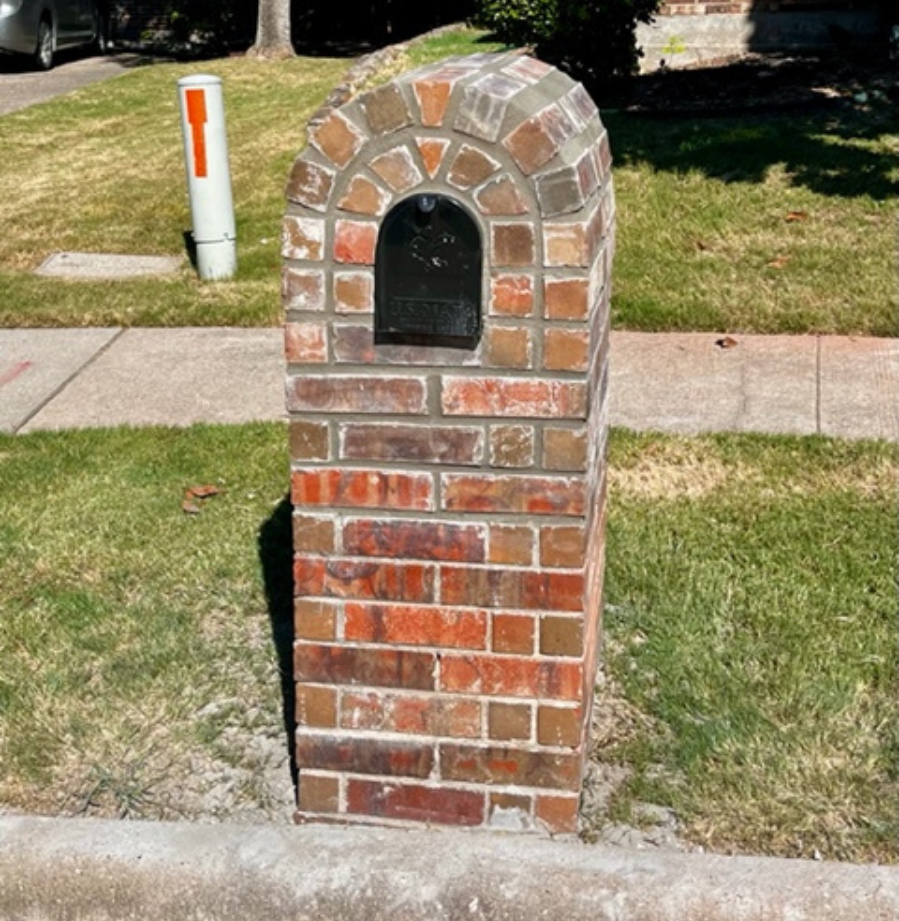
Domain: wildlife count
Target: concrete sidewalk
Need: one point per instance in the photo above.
(686, 382)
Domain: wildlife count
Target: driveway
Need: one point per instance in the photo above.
(20, 88)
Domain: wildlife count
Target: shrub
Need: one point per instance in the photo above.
(594, 40)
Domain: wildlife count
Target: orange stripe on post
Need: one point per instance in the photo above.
(196, 117)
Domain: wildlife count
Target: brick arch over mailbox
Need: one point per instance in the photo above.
(449, 502)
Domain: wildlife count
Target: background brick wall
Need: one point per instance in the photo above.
(449, 503)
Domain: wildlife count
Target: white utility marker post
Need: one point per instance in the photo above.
(208, 175)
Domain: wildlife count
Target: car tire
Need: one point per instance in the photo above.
(43, 52)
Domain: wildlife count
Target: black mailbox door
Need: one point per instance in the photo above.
(428, 274)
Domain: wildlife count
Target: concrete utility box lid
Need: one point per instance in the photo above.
(106, 265)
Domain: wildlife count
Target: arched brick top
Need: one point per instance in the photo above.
(518, 142)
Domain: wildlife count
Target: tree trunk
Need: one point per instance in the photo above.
(273, 31)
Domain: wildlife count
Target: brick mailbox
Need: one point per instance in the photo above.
(447, 249)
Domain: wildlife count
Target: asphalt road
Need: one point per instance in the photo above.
(20, 88)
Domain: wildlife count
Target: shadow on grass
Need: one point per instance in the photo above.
(829, 123)
(275, 545)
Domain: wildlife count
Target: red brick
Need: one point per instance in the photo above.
(350, 394)
(510, 588)
(558, 814)
(565, 298)
(407, 625)
(383, 711)
(514, 494)
(512, 296)
(508, 676)
(415, 803)
(306, 343)
(347, 665)
(432, 151)
(326, 752)
(362, 489)
(425, 444)
(519, 397)
(509, 766)
(415, 540)
(537, 140)
(513, 633)
(433, 96)
(411, 582)
(354, 242)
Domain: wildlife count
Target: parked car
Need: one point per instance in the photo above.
(40, 28)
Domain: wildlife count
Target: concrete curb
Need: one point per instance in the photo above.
(96, 870)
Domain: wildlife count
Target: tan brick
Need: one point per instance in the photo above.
(501, 196)
(507, 722)
(561, 636)
(316, 706)
(559, 727)
(509, 347)
(565, 299)
(310, 184)
(303, 238)
(397, 169)
(511, 545)
(337, 138)
(562, 546)
(354, 292)
(558, 814)
(565, 449)
(313, 534)
(513, 244)
(318, 792)
(364, 197)
(306, 343)
(309, 440)
(512, 446)
(471, 167)
(315, 620)
(385, 109)
(302, 290)
(565, 350)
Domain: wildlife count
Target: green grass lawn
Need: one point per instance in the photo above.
(750, 625)
(703, 239)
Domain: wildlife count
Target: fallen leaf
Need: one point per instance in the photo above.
(728, 342)
(189, 508)
(203, 492)
(795, 216)
(780, 262)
